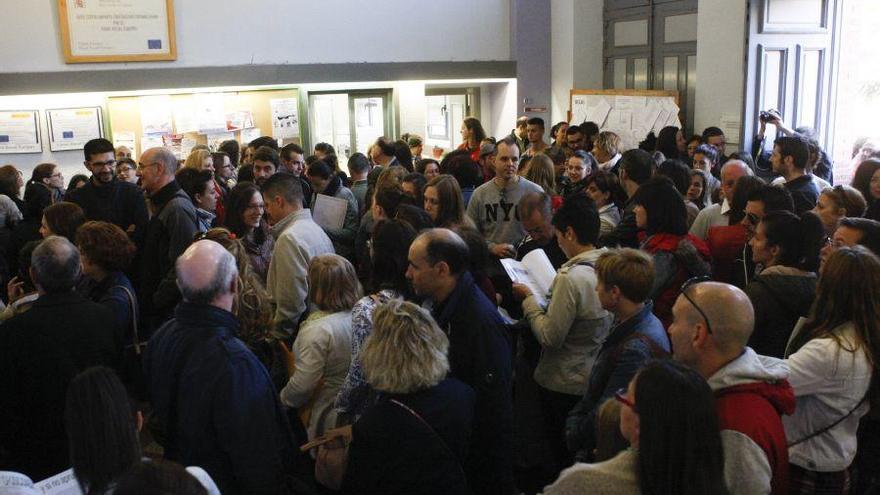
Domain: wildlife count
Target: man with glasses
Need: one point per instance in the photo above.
(759, 202)
(169, 233)
(105, 197)
(711, 325)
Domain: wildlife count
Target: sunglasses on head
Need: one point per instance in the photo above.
(687, 285)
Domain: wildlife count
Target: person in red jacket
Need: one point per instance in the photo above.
(678, 256)
(711, 325)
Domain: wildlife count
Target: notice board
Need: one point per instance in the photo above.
(629, 113)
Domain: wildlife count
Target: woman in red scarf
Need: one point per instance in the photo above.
(678, 256)
(472, 134)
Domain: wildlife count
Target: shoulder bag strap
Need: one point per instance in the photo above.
(132, 303)
(432, 430)
(832, 425)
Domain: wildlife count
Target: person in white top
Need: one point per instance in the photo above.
(832, 356)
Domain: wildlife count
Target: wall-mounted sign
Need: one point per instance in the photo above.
(117, 30)
(20, 131)
(72, 128)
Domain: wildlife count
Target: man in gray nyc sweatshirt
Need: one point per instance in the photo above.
(493, 206)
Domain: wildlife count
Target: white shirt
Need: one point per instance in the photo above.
(711, 216)
(828, 382)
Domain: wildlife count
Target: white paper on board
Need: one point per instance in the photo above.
(185, 116)
(622, 102)
(210, 113)
(731, 125)
(156, 115)
(285, 118)
(127, 139)
(248, 135)
(599, 112)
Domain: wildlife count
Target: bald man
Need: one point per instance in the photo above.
(479, 353)
(717, 215)
(213, 397)
(170, 231)
(711, 325)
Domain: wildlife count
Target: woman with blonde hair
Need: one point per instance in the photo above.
(839, 202)
(833, 357)
(322, 349)
(415, 438)
(542, 173)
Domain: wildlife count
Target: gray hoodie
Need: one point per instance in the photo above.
(494, 210)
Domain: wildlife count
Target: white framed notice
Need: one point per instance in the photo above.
(117, 30)
(72, 128)
(20, 131)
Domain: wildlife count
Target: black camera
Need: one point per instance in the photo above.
(766, 115)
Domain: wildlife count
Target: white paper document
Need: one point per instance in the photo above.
(599, 112)
(285, 118)
(248, 135)
(185, 116)
(63, 483)
(210, 113)
(156, 114)
(329, 212)
(20, 132)
(534, 271)
(72, 128)
(127, 139)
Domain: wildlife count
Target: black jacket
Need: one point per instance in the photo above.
(120, 203)
(804, 193)
(779, 300)
(626, 232)
(393, 452)
(169, 233)
(228, 418)
(480, 356)
(41, 350)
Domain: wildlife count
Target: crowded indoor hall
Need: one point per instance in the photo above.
(465, 247)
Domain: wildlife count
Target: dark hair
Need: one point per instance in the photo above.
(573, 129)
(231, 148)
(319, 168)
(286, 150)
(556, 127)
(649, 144)
(862, 178)
(742, 189)
(218, 157)
(237, 202)
(385, 146)
(664, 205)
(667, 142)
(391, 240)
(578, 212)
(775, 198)
(796, 148)
(535, 201)
(101, 435)
(743, 156)
(638, 165)
(420, 181)
(9, 181)
(476, 128)
(96, 147)
(454, 252)
(194, 181)
(155, 477)
(266, 154)
(261, 141)
(507, 141)
(422, 164)
(538, 121)
(451, 208)
(24, 264)
(389, 196)
(678, 173)
(557, 155)
(325, 148)
(701, 201)
(42, 171)
(710, 151)
(461, 166)
(608, 182)
(711, 131)
(799, 238)
(358, 163)
(870, 230)
(589, 128)
(63, 218)
(403, 154)
(479, 256)
(76, 179)
(417, 217)
(332, 161)
(677, 413)
(285, 185)
(105, 245)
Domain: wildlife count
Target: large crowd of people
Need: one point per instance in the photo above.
(712, 323)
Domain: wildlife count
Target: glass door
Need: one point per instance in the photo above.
(351, 121)
(369, 120)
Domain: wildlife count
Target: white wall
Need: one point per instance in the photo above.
(721, 42)
(230, 32)
(503, 111)
(577, 43)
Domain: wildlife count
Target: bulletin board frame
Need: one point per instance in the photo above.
(64, 7)
(656, 93)
(38, 146)
(53, 146)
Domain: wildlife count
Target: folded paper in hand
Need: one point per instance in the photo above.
(534, 271)
(329, 212)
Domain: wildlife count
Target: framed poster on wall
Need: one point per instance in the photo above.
(20, 131)
(117, 30)
(72, 128)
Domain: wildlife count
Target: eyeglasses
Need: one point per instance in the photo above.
(108, 163)
(687, 285)
(621, 397)
(252, 207)
(753, 219)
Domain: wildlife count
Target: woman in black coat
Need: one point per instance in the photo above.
(414, 440)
